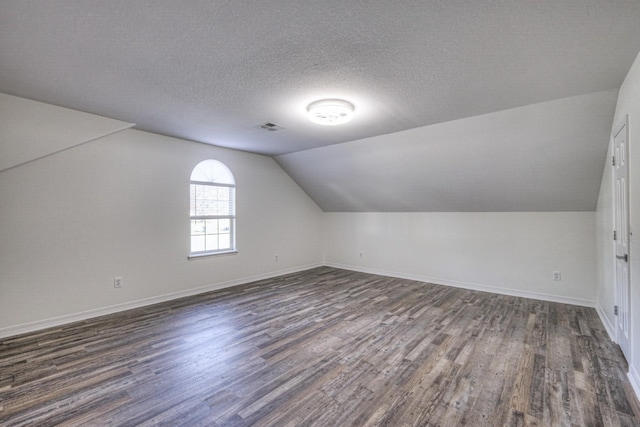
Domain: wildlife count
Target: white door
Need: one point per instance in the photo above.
(621, 219)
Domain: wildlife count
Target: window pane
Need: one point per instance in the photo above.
(212, 200)
(197, 244)
(209, 192)
(212, 171)
(221, 208)
(224, 225)
(197, 227)
(225, 241)
(207, 200)
(212, 242)
(212, 226)
(192, 203)
(224, 193)
(232, 201)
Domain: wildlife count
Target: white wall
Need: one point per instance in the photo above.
(628, 103)
(511, 253)
(118, 206)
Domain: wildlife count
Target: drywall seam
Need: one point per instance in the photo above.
(127, 126)
(470, 286)
(66, 319)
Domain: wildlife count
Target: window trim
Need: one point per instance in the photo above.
(232, 218)
(201, 255)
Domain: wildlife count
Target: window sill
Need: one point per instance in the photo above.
(194, 257)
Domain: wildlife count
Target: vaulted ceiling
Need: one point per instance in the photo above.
(459, 105)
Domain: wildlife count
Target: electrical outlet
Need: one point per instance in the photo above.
(557, 276)
(117, 282)
(276, 257)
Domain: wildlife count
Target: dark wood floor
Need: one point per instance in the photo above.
(324, 347)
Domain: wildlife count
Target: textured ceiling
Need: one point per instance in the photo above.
(502, 105)
(212, 71)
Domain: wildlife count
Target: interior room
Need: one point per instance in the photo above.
(462, 175)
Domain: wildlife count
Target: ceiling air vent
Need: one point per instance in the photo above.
(272, 127)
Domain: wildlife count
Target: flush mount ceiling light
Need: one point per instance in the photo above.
(330, 112)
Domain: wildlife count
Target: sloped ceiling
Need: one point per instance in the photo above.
(542, 157)
(31, 130)
(212, 72)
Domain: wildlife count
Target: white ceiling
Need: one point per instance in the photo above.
(540, 157)
(214, 71)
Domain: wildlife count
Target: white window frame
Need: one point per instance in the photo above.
(214, 171)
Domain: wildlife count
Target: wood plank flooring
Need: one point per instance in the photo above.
(324, 347)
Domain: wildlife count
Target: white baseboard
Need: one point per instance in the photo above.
(84, 315)
(62, 320)
(470, 286)
(610, 328)
(634, 378)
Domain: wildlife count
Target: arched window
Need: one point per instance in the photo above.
(213, 210)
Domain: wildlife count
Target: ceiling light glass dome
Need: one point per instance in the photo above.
(330, 112)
